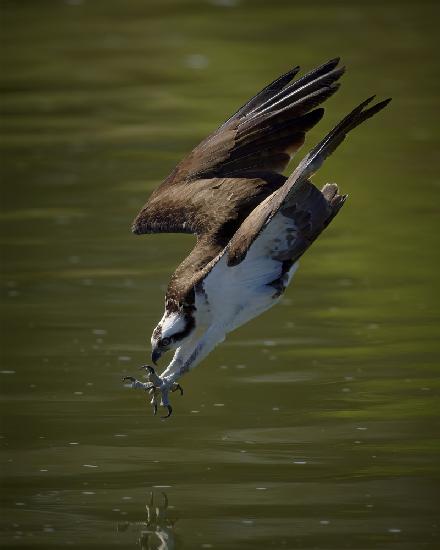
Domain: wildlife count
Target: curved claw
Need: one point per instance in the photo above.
(170, 412)
(157, 385)
(177, 387)
(153, 401)
(152, 376)
(149, 368)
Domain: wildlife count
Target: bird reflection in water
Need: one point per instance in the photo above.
(156, 531)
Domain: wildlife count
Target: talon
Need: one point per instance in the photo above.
(149, 368)
(170, 412)
(152, 376)
(153, 401)
(177, 387)
(156, 385)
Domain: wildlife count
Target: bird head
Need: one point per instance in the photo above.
(173, 329)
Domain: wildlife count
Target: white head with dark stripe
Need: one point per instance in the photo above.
(173, 329)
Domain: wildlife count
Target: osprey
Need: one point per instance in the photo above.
(252, 223)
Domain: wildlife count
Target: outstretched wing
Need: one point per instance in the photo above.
(273, 237)
(287, 199)
(267, 130)
(241, 163)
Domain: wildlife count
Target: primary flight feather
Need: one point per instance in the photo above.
(252, 223)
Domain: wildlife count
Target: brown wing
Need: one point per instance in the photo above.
(241, 163)
(309, 209)
(298, 198)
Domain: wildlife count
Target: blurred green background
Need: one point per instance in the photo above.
(315, 425)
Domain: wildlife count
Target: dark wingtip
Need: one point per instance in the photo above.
(366, 102)
(316, 115)
(291, 74)
(334, 61)
(382, 104)
(334, 86)
(374, 108)
(385, 102)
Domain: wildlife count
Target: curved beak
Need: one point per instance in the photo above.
(155, 355)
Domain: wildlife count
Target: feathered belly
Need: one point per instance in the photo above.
(232, 296)
(262, 297)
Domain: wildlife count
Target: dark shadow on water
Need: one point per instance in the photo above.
(156, 532)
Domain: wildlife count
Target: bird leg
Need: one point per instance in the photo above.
(156, 385)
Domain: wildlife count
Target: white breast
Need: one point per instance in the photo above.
(234, 295)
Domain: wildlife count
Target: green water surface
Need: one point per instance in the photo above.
(315, 425)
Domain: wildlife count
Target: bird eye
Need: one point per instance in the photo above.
(166, 342)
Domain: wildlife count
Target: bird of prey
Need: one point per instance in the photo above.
(252, 223)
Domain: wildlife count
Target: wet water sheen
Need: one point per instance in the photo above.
(314, 426)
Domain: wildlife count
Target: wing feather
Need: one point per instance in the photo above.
(291, 193)
(255, 144)
(297, 210)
